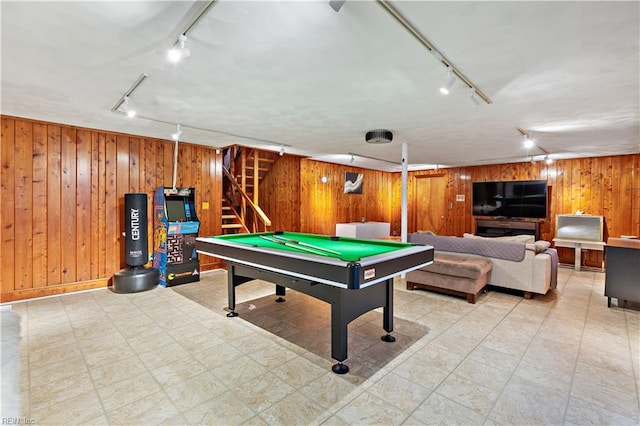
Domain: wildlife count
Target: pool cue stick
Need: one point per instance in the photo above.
(284, 243)
(302, 243)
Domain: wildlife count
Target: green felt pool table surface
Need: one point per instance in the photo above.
(343, 248)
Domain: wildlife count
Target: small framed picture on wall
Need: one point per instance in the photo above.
(353, 183)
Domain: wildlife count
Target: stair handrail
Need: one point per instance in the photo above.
(259, 213)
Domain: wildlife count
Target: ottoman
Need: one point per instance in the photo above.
(451, 273)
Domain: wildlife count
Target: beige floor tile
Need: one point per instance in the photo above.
(400, 392)
(239, 371)
(615, 400)
(194, 391)
(104, 375)
(263, 391)
(77, 410)
(294, 409)
(524, 402)
(437, 409)
(580, 413)
(418, 368)
(544, 375)
(54, 393)
(490, 376)
(468, 393)
(54, 370)
(177, 371)
(532, 351)
(152, 409)
(225, 408)
(298, 372)
(124, 392)
(328, 389)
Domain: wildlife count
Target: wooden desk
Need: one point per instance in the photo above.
(622, 279)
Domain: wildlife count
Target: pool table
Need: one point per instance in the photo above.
(354, 276)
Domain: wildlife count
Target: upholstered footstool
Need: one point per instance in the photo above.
(457, 274)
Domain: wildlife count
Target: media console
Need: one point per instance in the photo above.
(506, 227)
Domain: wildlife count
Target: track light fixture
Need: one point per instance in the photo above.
(176, 136)
(179, 51)
(547, 159)
(528, 142)
(127, 108)
(281, 153)
(472, 98)
(352, 159)
(451, 79)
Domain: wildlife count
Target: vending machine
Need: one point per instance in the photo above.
(175, 228)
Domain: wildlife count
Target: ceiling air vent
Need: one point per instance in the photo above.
(378, 136)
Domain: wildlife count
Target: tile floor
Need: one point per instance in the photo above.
(159, 357)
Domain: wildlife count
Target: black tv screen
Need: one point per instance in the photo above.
(175, 209)
(521, 198)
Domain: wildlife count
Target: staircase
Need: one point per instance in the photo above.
(246, 167)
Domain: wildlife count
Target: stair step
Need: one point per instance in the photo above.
(231, 226)
(228, 216)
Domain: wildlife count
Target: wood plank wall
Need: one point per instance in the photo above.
(607, 186)
(62, 201)
(280, 194)
(322, 205)
(62, 194)
(604, 186)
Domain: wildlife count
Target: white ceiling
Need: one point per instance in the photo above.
(300, 75)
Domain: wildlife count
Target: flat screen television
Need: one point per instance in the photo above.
(520, 198)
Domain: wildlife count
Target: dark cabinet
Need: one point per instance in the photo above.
(622, 279)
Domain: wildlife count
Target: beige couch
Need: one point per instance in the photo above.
(530, 267)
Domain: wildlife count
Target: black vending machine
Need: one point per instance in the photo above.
(175, 228)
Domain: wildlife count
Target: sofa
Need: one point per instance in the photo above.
(517, 263)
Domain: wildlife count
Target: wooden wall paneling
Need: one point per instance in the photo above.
(122, 187)
(7, 202)
(134, 165)
(112, 233)
(147, 183)
(39, 205)
(635, 196)
(55, 248)
(83, 205)
(94, 235)
(23, 205)
(607, 197)
(100, 215)
(613, 226)
(68, 201)
(626, 218)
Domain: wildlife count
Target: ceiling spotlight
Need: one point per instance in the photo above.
(528, 142)
(336, 4)
(547, 159)
(352, 159)
(127, 108)
(176, 136)
(451, 79)
(281, 153)
(179, 50)
(472, 98)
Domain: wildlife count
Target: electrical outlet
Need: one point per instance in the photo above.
(460, 197)
(205, 205)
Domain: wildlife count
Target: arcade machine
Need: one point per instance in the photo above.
(175, 228)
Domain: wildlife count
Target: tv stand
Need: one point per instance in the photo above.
(505, 227)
